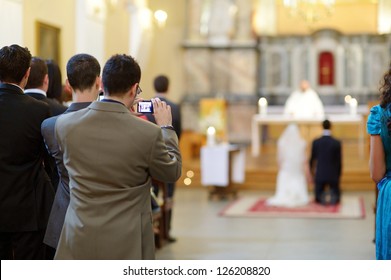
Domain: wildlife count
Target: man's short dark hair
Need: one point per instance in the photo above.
(326, 124)
(161, 84)
(14, 63)
(82, 70)
(120, 73)
(37, 73)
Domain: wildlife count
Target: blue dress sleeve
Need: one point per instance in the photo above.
(373, 123)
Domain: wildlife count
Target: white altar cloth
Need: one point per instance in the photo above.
(222, 164)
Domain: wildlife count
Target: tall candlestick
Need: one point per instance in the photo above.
(353, 106)
(211, 136)
(262, 106)
(348, 98)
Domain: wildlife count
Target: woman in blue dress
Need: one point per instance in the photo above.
(379, 127)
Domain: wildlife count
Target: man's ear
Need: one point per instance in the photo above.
(68, 85)
(133, 90)
(46, 80)
(25, 78)
(98, 83)
(27, 75)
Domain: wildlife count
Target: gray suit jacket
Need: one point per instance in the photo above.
(61, 200)
(111, 156)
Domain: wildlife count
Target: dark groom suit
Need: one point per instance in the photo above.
(26, 193)
(326, 158)
(61, 200)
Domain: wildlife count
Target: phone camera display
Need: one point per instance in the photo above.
(145, 107)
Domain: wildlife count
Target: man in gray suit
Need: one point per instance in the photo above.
(111, 155)
(83, 77)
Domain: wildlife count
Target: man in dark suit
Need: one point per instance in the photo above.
(26, 193)
(326, 163)
(83, 77)
(38, 84)
(36, 87)
(161, 85)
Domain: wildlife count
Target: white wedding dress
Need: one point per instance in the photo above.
(291, 189)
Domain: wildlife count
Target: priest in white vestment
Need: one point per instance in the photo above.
(304, 103)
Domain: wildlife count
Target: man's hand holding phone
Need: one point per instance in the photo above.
(162, 113)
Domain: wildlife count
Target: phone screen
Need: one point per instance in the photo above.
(145, 107)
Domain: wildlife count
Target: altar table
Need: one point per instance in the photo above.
(258, 121)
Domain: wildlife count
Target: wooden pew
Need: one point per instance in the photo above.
(161, 222)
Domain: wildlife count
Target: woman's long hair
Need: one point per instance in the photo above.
(385, 89)
(385, 94)
(55, 82)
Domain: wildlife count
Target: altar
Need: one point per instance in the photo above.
(222, 167)
(259, 121)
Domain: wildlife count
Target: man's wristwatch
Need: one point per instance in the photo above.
(167, 127)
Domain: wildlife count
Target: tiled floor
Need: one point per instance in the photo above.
(204, 235)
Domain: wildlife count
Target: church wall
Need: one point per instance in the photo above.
(347, 18)
(166, 53)
(11, 14)
(50, 12)
(116, 42)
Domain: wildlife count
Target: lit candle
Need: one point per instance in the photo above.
(262, 106)
(348, 98)
(353, 106)
(211, 136)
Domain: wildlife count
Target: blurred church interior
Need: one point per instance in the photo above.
(237, 51)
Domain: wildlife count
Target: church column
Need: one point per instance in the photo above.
(141, 31)
(340, 65)
(89, 33)
(265, 17)
(384, 16)
(11, 22)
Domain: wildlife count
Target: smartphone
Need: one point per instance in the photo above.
(145, 107)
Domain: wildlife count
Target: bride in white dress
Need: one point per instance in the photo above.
(291, 190)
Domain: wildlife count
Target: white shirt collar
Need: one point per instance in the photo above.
(35, 90)
(326, 132)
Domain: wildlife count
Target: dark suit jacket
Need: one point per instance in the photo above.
(61, 200)
(176, 116)
(26, 193)
(55, 109)
(326, 158)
